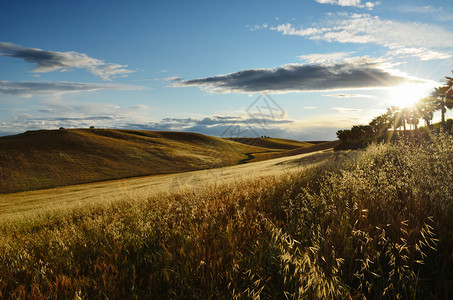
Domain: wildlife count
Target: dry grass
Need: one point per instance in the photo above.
(51, 203)
(375, 223)
(272, 143)
(307, 149)
(41, 159)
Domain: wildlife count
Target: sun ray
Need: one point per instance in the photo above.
(407, 95)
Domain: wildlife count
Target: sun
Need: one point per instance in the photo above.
(407, 95)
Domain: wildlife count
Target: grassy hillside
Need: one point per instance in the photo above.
(50, 158)
(370, 224)
(272, 143)
(306, 149)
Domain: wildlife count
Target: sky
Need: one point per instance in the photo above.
(288, 69)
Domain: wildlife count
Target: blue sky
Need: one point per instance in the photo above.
(289, 69)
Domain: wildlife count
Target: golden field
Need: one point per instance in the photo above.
(41, 159)
(374, 223)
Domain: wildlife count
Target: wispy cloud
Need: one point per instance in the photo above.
(355, 3)
(54, 113)
(342, 96)
(49, 61)
(361, 73)
(420, 53)
(213, 121)
(322, 58)
(222, 126)
(76, 115)
(344, 110)
(32, 88)
(61, 108)
(257, 27)
(172, 78)
(364, 28)
(439, 13)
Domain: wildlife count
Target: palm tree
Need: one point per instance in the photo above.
(449, 93)
(426, 108)
(394, 116)
(406, 117)
(449, 84)
(440, 99)
(380, 124)
(414, 117)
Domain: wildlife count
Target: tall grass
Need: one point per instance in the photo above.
(375, 223)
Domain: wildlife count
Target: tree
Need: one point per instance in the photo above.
(356, 133)
(449, 84)
(380, 124)
(406, 116)
(426, 108)
(344, 135)
(449, 93)
(414, 117)
(441, 101)
(394, 116)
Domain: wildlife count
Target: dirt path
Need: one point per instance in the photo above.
(79, 195)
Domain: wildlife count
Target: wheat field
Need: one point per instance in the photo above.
(374, 223)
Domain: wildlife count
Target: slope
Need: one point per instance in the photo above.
(315, 147)
(50, 158)
(272, 143)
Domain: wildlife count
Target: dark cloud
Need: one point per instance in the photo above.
(76, 119)
(301, 78)
(220, 120)
(223, 126)
(220, 126)
(312, 133)
(48, 61)
(28, 89)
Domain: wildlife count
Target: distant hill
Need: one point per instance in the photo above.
(50, 158)
(272, 143)
(317, 146)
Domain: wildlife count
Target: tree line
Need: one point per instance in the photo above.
(440, 99)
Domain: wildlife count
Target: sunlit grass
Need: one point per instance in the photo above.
(375, 223)
(41, 159)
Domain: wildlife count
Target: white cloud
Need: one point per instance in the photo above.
(40, 88)
(49, 61)
(309, 107)
(341, 96)
(354, 3)
(421, 53)
(345, 110)
(288, 29)
(364, 28)
(439, 13)
(325, 58)
(257, 27)
(55, 113)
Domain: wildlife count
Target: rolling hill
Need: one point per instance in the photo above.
(272, 143)
(316, 146)
(50, 158)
